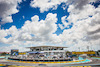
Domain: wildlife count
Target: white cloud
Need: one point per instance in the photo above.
(65, 23)
(7, 19)
(79, 4)
(8, 48)
(33, 32)
(86, 27)
(76, 14)
(85, 31)
(43, 29)
(7, 8)
(45, 5)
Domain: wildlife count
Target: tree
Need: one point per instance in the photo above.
(3, 54)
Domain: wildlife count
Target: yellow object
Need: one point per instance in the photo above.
(2, 65)
(89, 52)
(22, 53)
(20, 66)
(89, 66)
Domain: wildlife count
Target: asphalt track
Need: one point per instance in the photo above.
(94, 63)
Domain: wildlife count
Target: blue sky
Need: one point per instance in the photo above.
(62, 23)
(27, 11)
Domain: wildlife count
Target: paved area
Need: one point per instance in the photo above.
(94, 63)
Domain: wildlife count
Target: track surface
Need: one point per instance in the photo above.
(94, 63)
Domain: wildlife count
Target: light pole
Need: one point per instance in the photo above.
(88, 48)
(79, 49)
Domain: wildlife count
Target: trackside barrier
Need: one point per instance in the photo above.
(38, 66)
(46, 62)
(77, 66)
(2, 65)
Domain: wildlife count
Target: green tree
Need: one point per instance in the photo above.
(3, 54)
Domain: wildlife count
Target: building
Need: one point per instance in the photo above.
(48, 51)
(43, 54)
(14, 52)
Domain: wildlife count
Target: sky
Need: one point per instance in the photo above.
(70, 23)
